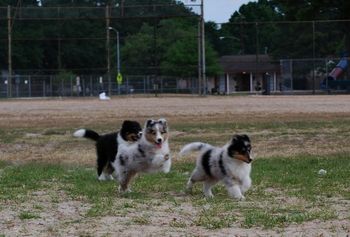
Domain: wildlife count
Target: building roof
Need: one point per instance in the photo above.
(248, 63)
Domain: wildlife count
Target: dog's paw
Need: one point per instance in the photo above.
(242, 198)
(238, 197)
(121, 190)
(209, 195)
(166, 171)
(102, 177)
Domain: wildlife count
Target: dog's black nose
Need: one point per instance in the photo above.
(159, 140)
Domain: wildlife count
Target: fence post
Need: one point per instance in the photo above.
(51, 85)
(71, 85)
(83, 85)
(291, 76)
(9, 36)
(127, 86)
(91, 89)
(62, 89)
(30, 86)
(44, 86)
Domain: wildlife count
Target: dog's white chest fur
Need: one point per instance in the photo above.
(237, 169)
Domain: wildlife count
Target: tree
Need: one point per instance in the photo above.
(241, 35)
(173, 52)
(331, 37)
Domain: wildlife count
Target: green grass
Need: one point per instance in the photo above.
(28, 215)
(19, 180)
(299, 176)
(341, 124)
(284, 191)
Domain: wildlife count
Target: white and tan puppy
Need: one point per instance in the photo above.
(230, 164)
(149, 154)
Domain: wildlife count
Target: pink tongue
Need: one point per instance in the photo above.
(159, 145)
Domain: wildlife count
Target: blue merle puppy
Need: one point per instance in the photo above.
(230, 164)
(149, 154)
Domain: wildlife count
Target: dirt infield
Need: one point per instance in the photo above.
(19, 113)
(41, 130)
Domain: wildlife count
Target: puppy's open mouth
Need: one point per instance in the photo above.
(243, 158)
(158, 144)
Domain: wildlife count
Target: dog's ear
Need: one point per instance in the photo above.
(149, 123)
(127, 124)
(164, 123)
(234, 139)
(234, 145)
(131, 126)
(240, 137)
(245, 137)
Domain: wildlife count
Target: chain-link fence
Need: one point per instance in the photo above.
(71, 51)
(48, 86)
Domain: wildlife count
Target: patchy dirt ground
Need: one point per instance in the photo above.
(50, 123)
(66, 217)
(58, 112)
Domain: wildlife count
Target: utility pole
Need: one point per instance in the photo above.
(313, 57)
(9, 30)
(202, 83)
(257, 52)
(108, 50)
(122, 3)
(117, 56)
(199, 58)
(204, 78)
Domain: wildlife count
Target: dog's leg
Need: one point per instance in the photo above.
(125, 180)
(189, 185)
(245, 184)
(106, 173)
(101, 163)
(114, 175)
(195, 177)
(102, 177)
(233, 188)
(208, 184)
(109, 171)
(166, 166)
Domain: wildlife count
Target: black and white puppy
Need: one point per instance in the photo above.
(149, 154)
(107, 145)
(230, 164)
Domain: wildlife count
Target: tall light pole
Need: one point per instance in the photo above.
(118, 57)
(202, 27)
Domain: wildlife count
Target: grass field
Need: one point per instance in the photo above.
(48, 184)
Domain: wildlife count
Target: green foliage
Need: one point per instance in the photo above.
(241, 35)
(65, 76)
(167, 46)
(172, 46)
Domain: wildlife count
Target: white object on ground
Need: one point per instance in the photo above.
(103, 96)
(322, 172)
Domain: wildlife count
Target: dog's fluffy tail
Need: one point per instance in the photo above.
(194, 146)
(87, 134)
